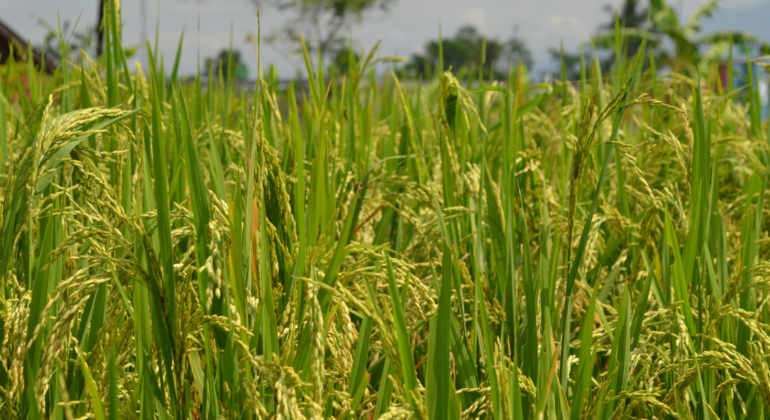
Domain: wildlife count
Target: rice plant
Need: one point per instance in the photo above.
(370, 247)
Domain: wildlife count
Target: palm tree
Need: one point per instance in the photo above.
(690, 48)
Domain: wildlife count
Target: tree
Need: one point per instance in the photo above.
(324, 24)
(571, 62)
(342, 60)
(465, 49)
(632, 17)
(516, 51)
(690, 49)
(76, 40)
(220, 63)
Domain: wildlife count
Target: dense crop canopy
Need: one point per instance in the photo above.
(370, 247)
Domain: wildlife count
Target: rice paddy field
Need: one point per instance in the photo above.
(367, 247)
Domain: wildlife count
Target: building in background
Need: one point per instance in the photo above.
(13, 43)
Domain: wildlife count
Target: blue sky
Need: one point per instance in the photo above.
(403, 30)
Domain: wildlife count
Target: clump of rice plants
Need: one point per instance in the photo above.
(372, 248)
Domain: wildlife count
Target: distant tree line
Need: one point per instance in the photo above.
(326, 25)
(466, 49)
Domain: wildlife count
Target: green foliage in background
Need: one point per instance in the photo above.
(324, 24)
(380, 249)
(223, 62)
(469, 49)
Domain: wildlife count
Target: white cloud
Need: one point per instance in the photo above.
(394, 35)
(740, 4)
(567, 25)
(478, 17)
